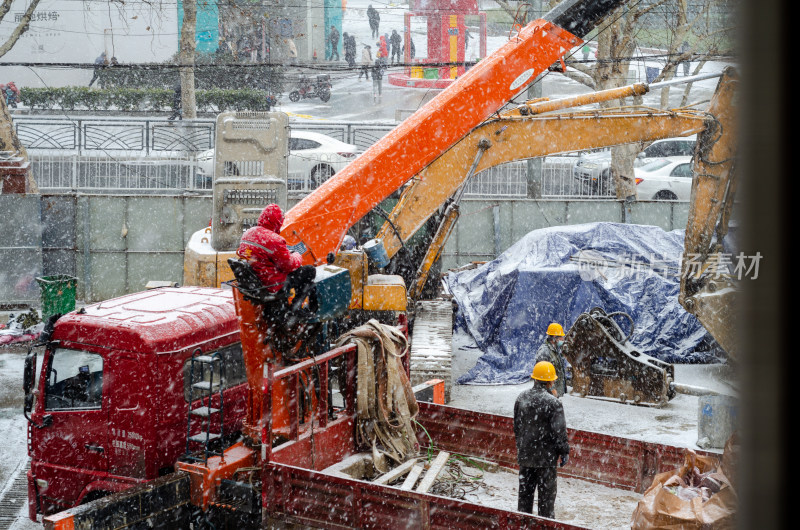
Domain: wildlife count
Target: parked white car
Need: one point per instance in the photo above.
(667, 179)
(595, 166)
(313, 159)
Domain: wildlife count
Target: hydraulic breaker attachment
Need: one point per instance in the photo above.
(606, 365)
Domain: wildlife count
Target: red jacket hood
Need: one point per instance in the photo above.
(271, 218)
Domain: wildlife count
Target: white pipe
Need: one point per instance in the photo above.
(682, 80)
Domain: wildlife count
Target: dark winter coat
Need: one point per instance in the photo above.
(378, 68)
(547, 352)
(266, 251)
(539, 428)
(349, 43)
(395, 40)
(373, 16)
(333, 37)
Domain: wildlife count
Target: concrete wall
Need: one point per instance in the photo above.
(116, 243)
(20, 249)
(487, 228)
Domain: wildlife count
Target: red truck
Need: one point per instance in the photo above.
(114, 391)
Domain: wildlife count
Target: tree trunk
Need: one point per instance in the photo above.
(188, 103)
(8, 137)
(613, 43)
(9, 141)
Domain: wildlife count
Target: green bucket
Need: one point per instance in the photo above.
(58, 294)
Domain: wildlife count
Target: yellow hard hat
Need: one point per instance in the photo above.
(544, 371)
(555, 329)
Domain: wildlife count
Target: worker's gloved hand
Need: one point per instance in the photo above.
(564, 460)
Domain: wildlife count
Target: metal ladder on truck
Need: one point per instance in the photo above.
(205, 380)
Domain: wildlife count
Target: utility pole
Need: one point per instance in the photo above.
(187, 48)
(534, 165)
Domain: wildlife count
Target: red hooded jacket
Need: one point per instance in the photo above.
(266, 251)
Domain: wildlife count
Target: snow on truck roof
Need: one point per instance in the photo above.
(159, 320)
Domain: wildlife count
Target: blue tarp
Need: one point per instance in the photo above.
(555, 274)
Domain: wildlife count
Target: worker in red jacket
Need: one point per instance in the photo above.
(265, 250)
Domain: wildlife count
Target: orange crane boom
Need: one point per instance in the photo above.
(316, 226)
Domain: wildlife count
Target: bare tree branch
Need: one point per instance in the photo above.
(4, 8)
(21, 28)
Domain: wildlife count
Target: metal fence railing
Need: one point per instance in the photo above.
(156, 135)
(557, 180)
(120, 170)
(158, 154)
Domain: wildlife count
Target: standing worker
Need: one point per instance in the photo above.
(550, 351)
(374, 20)
(540, 431)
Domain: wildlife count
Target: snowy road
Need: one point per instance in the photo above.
(351, 99)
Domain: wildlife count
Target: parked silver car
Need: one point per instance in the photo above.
(595, 167)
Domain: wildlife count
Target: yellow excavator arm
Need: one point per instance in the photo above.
(528, 133)
(706, 293)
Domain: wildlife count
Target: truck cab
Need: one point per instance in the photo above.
(110, 406)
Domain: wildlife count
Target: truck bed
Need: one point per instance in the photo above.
(599, 465)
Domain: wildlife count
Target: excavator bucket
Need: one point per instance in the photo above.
(606, 365)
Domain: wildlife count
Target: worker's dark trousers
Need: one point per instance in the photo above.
(543, 479)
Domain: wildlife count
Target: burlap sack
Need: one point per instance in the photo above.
(660, 508)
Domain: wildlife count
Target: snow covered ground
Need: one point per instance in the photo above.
(351, 99)
(674, 424)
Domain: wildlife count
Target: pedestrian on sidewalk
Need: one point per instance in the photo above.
(383, 47)
(333, 42)
(366, 62)
(685, 64)
(349, 43)
(540, 430)
(99, 63)
(396, 42)
(177, 102)
(377, 78)
(374, 20)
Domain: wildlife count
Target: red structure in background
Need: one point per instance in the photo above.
(446, 32)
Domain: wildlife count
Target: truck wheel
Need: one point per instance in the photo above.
(294, 96)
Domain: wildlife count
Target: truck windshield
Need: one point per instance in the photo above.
(74, 380)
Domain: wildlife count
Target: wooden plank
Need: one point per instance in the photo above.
(412, 477)
(397, 472)
(433, 472)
